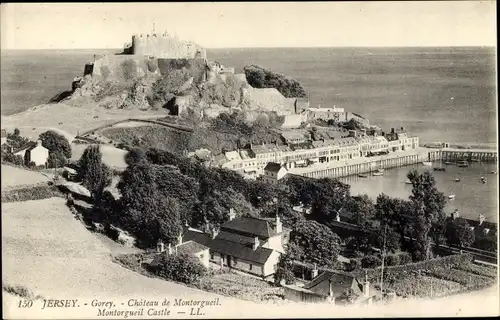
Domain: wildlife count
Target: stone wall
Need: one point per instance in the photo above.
(166, 46)
(126, 67)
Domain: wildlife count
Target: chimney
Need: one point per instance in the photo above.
(160, 247)
(170, 250)
(455, 214)
(256, 243)
(207, 227)
(481, 219)
(330, 288)
(215, 232)
(337, 217)
(366, 286)
(314, 272)
(402, 129)
(232, 214)
(383, 134)
(279, 225)
(392, 130)
(39, 142)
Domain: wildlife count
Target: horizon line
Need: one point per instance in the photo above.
(272, 47)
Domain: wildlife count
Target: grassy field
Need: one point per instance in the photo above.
(45, 249)
(13, 177)
(111, 156)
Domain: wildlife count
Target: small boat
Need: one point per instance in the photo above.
(474, 160)
(462, 164)
(378, 173)
(361, 175)
(448, 163)
(493, 172)
(451, 196)
(457, 180)
(439, 169)
(427, 163)
(407, 181)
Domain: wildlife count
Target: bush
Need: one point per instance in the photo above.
(20, 291)
(259, 77)
(182, 268)
(392, 260)
(371, 262)
(31, 193)
(404, 258)
(353, 265)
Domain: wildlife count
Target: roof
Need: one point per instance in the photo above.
(191, 247)
(273, 167)
(292, 135)
(246, 154)
(234, 249)
(220, 159)
(251, 227)
(341, 282)
(28, 146)
(233, 155)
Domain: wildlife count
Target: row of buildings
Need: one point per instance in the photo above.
(300, 151)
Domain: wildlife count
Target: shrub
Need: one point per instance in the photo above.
(20, 291)
(371, 262)
(404, 258)
(259, 77)
(392, 260)
(31, 193)
(353, 265)
(182, 268)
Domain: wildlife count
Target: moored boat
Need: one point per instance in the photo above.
(448, 162)
(361, 175)
(439, 169)
(407, 181)
(462, 164)
(451, 196)
(457, 180)
(378, 173)
(427, 163)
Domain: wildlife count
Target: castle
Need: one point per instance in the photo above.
(164, 46)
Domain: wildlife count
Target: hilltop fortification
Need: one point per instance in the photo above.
(164, 46)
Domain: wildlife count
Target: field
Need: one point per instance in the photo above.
(13, 177)
(73, 117)
(111, 156)
(45, 249)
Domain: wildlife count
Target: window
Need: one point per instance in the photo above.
(250, 268)
(212, 256)
(202, 256)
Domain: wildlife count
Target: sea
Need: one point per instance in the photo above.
(442, 94)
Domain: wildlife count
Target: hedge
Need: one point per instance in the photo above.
(402, 270)
(479, 270)
(459, 276)
(31, 193)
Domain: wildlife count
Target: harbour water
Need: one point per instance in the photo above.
(472, 197)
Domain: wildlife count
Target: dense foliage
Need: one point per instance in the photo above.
(93, 173)
(56, 143)
(458, 232)
(182, 268)
(259, 77)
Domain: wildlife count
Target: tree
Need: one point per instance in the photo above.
(396, 214)
(56, 159)
(135, 155)
(318, 243)
(146, 211)
(93, 173)
(284, 270)
(458, 232)
(371, 262)
(56, 142)
(392, 239)
(427, 212)
(362, 210)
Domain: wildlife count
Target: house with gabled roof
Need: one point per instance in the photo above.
(33, 152)
(273, 172)
(251, 245)
(333, 287)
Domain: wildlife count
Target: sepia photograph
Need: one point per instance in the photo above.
(210, 160)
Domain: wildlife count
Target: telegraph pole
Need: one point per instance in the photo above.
(383, 258)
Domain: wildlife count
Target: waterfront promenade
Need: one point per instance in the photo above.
(363, 165)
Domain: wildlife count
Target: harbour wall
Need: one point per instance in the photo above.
(400, 159)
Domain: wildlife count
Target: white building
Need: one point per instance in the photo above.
(273, 172)
(34, 152)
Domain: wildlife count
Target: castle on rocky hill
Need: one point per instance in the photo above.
(164, 46)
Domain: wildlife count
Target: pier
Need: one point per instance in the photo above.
(471, 155)
(364, 165)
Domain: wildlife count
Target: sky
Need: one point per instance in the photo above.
(252, 24)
